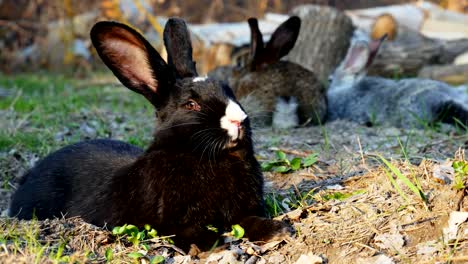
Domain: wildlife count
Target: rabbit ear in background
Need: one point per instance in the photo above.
(374, 46)
(282, 40)
(179, 48)
(131, 58)
(256, 44)
(357, 57)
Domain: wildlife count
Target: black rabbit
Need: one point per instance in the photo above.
(200, 169)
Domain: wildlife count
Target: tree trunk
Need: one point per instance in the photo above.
(323, 39)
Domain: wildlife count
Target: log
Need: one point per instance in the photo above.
(323, 39)
(12, 9)
(452, 74)
(405, 56)
(411, 51)
(452, 49)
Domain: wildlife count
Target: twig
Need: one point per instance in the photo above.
(419, 221)
(172, 247)
(361, 152)
(13, 26)
(443, 141)
(461, 195)
(365, 246)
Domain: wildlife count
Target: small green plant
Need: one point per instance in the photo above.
(277, 204)
(461, 174)
(460, 125)
(157, 259)
(237, 231)
(341, 196)
(58, 257)
(212, 228)
(283, 165)
(134, 235)
(373, 118)
(109, 255)
(272, 204)
(324, 133)
(142, 254)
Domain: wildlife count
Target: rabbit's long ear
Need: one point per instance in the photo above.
(283, 39)
(179, 48)
(374, 46)
(256, 44)
(357, 57)
(132, 59)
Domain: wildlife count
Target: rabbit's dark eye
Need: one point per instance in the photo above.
(192, 105)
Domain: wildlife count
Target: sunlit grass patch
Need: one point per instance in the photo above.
(42, 108)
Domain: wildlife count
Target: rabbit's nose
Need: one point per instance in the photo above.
(236, 123)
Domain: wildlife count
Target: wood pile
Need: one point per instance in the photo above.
(427, 41)
(421, 33)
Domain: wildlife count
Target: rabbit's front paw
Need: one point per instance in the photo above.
(264, 229)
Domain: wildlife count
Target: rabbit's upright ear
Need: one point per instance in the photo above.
(357, 57)
(283, 39)
(256, 44)
(132, 59)
(179, 48)
(374, 46)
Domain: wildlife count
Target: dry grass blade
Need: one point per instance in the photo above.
(395, 184)
(404, 179)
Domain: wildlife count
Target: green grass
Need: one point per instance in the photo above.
(461, 174)
(39, 242)
(413, 185)
(40, 107)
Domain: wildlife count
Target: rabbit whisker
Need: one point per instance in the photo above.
(202, 114)
(220, 144)
(177, 125)
(202, 134)
(202, 131)
(209, 108)
(259, 113)
(205, 138)
(203, 152)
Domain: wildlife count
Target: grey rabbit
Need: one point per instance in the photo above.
(200, 169)
(411, 102)
(266, 80)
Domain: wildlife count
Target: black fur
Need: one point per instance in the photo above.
(191, 176)
(452, 112)
(183, 63)
(256, 43)
(280, 44)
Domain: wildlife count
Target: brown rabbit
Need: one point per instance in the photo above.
(266, 78)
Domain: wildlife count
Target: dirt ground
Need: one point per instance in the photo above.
(344, 208)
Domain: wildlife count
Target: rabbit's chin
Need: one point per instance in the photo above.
(232, 144)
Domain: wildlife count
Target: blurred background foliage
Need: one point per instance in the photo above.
(52, 35)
